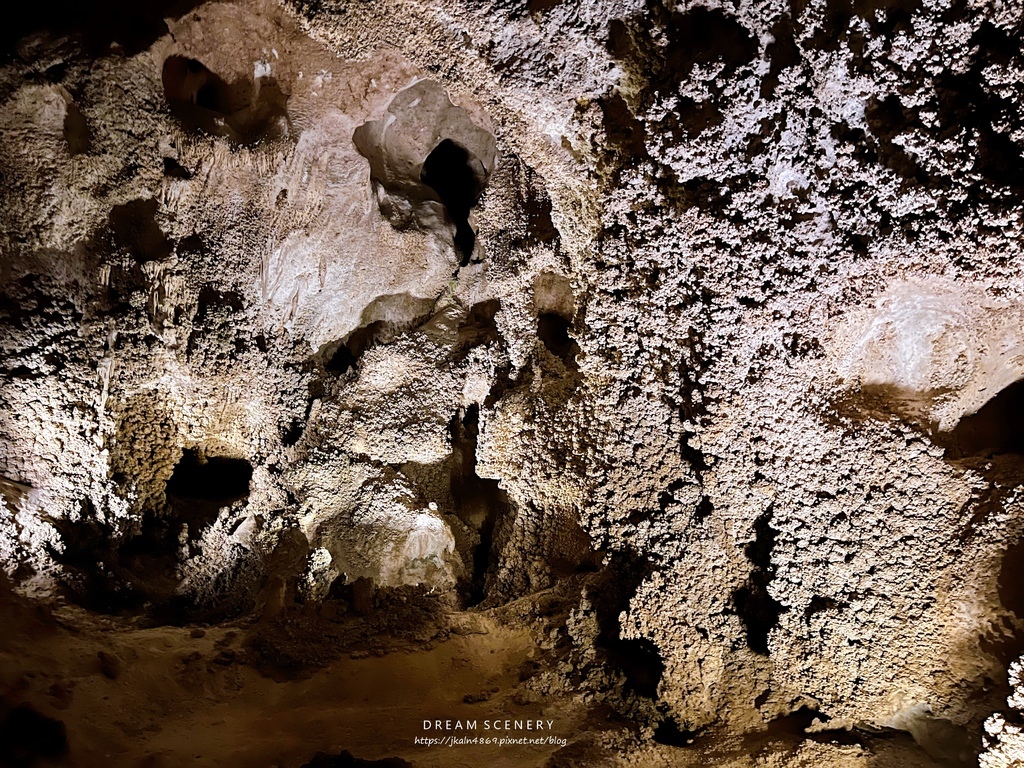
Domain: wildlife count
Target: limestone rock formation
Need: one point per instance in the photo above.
(655, 368)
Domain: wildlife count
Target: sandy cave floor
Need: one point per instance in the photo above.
(175, 699)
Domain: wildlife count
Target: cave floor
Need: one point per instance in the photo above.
(163, 696)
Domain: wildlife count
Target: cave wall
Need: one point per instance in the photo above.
(722, 283)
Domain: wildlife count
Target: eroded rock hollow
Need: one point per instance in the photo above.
(641, 381)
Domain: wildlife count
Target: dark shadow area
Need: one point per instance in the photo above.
(449, 172)
(132, 25)
(782, 52)
(697, 37)
(123, 573)
(669, 733)
(93, 575)
(243, 112)
(796, 723)
(637, 659)
(997, 428)
(347, 760)
(210, 299)
(342, 361)
(888, 119)
(480, 327)
(964, 101)
(29, 739)
(757, 609)
(356, 618)
(76, 131)
(479, 503)
(553, 330)
(542, 6)
(1011, 580)
(697, 116)
(535, 204)
(346, 355)
(134, 229)
(213, 479)
(623, 131)
(640, 661)
(215, 310)
(175, 170)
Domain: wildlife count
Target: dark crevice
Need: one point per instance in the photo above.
(782, 52)
(697, 37)
(753, 603)
(888, 119)
(820, 604)
(479, 503)
(622, 129)
(536, 204)
(641, 663)
(637, 659)
(448, 170)
(1011, 580)
(175, 170)
(480, 327)
(345, 356)
(703, 510)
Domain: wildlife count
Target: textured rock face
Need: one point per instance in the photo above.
(707, 318)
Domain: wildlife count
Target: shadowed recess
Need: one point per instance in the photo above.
(998, 427)
(448, 171)
(213, 478)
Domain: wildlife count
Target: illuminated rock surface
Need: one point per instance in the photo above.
(652, 369)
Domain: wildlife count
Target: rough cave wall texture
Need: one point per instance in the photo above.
(722, 300)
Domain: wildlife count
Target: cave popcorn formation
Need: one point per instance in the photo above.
(650, 369)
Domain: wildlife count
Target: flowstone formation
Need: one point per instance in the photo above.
(653, 368)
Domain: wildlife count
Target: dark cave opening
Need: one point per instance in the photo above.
(553, 330)
(245, 113)
(448, 170)
(479, 502)
(480, 326)
(216, 479)
(753, 603)
(175, 170)
(189, 83)
(997, 428)
(76, 131)
(342, 361)
(638, 659)
(135, 229)
(669, 733)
